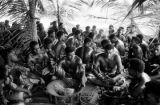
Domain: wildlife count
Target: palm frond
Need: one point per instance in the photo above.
(40, 6)
(136, 3)
(4, 5)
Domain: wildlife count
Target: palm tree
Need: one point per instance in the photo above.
(63, 10)
(24, 12)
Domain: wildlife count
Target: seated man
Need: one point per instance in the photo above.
(154, 62)
(144, 46)
(36, 59)
(59, 46)
(108, 62)
(86, 54)
(16, 87)
(118, 44)
(74, 41)
(73, 68)
(138, 77)
(156, 57)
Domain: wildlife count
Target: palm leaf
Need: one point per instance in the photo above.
(40, 5)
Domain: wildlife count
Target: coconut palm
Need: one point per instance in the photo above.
(24, 12)
(63, 10)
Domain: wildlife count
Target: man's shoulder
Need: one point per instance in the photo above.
(101, 55)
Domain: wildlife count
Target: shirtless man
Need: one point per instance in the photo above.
(108, 63)
(118, 44)
(59, 46)
(135, 50)
(36, 59)
(73, 68)
(75, 40)
(86, 54)
(138, 77)
(86, 32)
(111, 29)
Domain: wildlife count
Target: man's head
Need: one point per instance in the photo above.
(157, 50)
(54, 23)
(94, 27)
(88, 28)
(135, 40)
(140, 36)
(104, 42)
(133, 28)
(113, 38)
(7, 22)
(120, 30)
(87, 42)
(60, 25)
(48, 43)
(60, 35)
(128, 29)
(69, 52)
(91, 35)
(34, 46)
(74, 30)
(136, 67)
(152, 93)
(78, 34)
(111, 27)
(108, 48)
(101, 32)
(51, 34)
(78, 27)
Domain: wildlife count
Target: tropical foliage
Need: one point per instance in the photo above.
(24, 13)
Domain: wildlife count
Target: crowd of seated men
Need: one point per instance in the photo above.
(120, 60)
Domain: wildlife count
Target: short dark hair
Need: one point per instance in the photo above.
(111, 36)
(105, 42)
(69, 50)
(87, 27)
(74, 29)
(47, 41)
(136, 39)
(140, 36)
(91, 35)
(137, 65)
(77, 32)
(59, 34)
(87, 40)
(108, 47)
(50, 31)
(32, 44)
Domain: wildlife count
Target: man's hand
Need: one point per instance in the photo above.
(42, 81)
(29, 93)
(5, 101)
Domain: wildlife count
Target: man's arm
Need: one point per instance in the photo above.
(96, 68)
(118, 63)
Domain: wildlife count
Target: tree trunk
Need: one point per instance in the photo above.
(33, 26)
(58, 13)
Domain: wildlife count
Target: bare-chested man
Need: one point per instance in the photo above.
(37, 60)
(73, 68)
(108, 63)
(86, 54)
(75, 40)
(60, 45)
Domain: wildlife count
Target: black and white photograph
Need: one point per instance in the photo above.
(79, 52)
